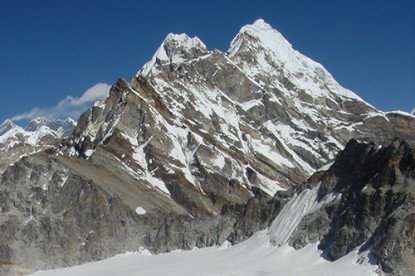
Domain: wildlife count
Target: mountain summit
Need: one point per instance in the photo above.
(175, 48)
(260, 49)
(200, 147)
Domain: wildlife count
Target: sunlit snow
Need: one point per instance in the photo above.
(255, 256)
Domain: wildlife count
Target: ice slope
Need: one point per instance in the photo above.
(256, 256)
(293, 212)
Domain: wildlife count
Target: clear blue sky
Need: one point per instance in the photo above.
(52, 49)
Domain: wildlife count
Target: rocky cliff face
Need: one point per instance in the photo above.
(374, 207)
(189, 153)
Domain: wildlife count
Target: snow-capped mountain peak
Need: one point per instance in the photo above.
(6, 126)
(259, 49)
(264, 34)
(185, 41)
(175, 48)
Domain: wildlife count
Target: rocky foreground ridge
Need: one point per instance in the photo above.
(373, 206)
(204, 146)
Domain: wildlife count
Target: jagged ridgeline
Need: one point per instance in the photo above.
(40, 134)
(199, 147)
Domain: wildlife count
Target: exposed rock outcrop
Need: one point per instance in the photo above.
(376, 208)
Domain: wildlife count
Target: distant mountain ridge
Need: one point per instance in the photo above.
(40, 133)
(198, 148)
(62, 128)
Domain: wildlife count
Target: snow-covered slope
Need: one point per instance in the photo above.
(245, 259)
(253, 257)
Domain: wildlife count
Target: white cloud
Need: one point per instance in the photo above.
(413, 111)
(96, 92)
(68, 107)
